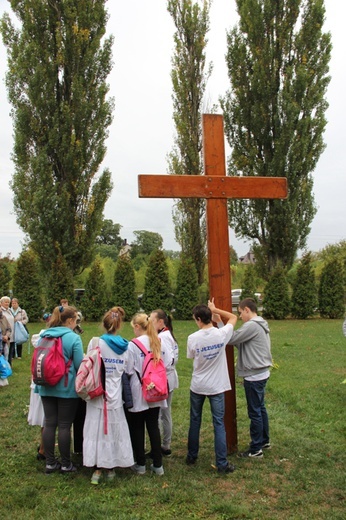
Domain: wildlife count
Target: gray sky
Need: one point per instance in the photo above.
(142, 132)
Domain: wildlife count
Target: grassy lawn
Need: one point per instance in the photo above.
(302, 477)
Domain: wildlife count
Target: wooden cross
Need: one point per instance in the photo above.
(216, 188)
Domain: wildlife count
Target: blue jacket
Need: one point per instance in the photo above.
(73, 349)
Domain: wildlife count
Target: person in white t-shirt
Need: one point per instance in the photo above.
(210, 378)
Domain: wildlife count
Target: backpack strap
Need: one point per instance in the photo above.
(140, 345)
(142, 348)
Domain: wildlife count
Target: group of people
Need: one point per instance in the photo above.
(124, 443)
(10, 314)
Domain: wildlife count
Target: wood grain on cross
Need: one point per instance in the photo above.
(216, 188)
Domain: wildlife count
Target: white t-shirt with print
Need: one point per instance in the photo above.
(207, 348)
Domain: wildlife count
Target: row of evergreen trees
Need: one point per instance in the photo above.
(300, 299)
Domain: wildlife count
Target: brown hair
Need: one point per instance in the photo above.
(249, 303)
(167, 320)
(144, 322)
(113, 319)
(60, 315)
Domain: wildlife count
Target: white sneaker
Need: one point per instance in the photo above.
(140, 470)
(158, 471)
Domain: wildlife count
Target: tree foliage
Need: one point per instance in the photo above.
(124, 288)
(276, 301)
(157, 292)
(93, 303)
(145, 243)
(60, 282)
(5, 277)
(304, 295)
(27, 286)
(189, 78)
(249, 283)
(331, 290)
(186, 293)
(58, 63)
(274, 114)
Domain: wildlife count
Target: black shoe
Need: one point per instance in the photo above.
(247, 454)
(166, 453)
(267, 446)
(51, 468)
(190, 460)
(68, 469)
(40, 456)
(228, 469)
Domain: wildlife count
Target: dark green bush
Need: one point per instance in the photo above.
(186, 294)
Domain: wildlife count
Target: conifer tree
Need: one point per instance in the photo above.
(27, 287)
(278, 63)
(93, 303)
(157, 292)
(276, 301)
(189, 77)
(58, 63)
(5, 278)
(186, 293)
(124, 288)
(304, 295)
(331, 290)
(60, 283)
(249, 283)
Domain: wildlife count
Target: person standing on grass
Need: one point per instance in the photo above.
(107, 451)
(144, 414)
(6, 311)
(254, 361)
(163, 325)
(19, 314)
(210, 379)
(60, 402)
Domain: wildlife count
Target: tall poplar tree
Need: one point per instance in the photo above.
(189, 77)
(274, 114)
(58, 63)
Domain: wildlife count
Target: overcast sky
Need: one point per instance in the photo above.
(142, 132)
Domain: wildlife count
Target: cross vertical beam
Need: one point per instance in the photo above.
(218, 253)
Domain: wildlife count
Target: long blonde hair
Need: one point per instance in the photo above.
(144, 322)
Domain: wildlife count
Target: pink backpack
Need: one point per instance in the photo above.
(91, 378)
(154, 377)
(48, 364)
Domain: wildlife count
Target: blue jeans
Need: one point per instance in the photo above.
(259, 423)
(217, 406)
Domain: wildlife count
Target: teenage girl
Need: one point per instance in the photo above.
(144, 414)
(100, 450)
(163, 325)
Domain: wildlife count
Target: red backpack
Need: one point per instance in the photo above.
(48, 364)
(154, 377)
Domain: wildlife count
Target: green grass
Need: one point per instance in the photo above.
(302, 477)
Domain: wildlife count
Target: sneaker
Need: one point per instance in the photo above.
(110, 474)
(267, 446)
(158, 471)
(190, 460)
(140, 470)
(166, 453)
(248, 454)
(228, 469)
(68, 469)
(51, 468)
(96, 477)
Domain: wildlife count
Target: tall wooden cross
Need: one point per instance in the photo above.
(216, 188)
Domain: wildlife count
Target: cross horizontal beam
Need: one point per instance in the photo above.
(211, 187)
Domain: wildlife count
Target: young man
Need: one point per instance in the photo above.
(254, 361)
(209, 379)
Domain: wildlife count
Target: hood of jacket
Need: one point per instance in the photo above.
(55, 332)
(263, 323)
(116, 343)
